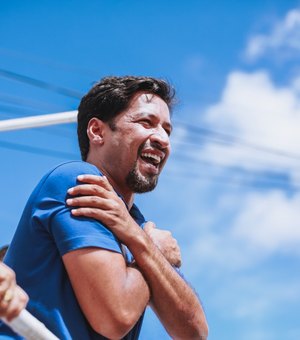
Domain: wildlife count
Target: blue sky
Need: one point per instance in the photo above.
(230, 192)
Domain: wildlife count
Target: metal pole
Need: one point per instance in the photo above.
(38, 121)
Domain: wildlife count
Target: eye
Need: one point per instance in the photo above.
(168, 132)
(146, 121)
(168, 129)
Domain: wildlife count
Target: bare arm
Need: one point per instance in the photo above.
(175, 303)
(12, 298)
(111, 295)
(187, 320)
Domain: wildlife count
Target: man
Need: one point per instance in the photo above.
(91, 270)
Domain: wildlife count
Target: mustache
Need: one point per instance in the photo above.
(153, 145)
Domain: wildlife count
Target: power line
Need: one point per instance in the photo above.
(224, 138)
(25, 102)
(38, 151)
(226, 179)
(40, 83)
(256, 163)
(14, 110)
(48, 62)
(233, 167)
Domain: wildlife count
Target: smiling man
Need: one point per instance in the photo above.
(89, 261)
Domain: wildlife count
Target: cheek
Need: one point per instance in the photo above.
(167, 157)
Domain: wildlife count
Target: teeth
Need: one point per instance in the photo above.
(152, 156)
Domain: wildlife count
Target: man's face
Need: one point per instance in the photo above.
(139, 145)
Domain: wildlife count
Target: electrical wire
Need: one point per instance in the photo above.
(229, 180)
(40, 83)
(17, 111)
(224, 138)
(48, 62)
(38, 151)
(277, 176)
(26, 103)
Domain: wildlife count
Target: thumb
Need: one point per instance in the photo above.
(148, 226)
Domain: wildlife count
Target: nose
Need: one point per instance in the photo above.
(160, 138)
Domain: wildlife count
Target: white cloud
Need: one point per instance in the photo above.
(257, 298)
(283, 38)
(264, 224)
(270, 222)
(232, 255)
(255, 110)
(253, 107)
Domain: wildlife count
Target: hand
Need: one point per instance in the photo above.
(97, 199)
(165, 242)
(12, 298)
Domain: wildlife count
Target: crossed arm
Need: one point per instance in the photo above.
(112, 294)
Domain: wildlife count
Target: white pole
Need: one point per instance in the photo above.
(29, 327)
(38, 121)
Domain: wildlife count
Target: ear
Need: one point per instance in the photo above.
(95, 131)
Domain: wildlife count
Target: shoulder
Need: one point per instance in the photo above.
(73, 168)
(64, 176)
(70, 170)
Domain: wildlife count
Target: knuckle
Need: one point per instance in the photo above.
(114, 205)
(94, 189)
(94, 200)
(89, 212)
(24, 298)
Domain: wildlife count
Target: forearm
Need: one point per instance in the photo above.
(174, 302)
(135, 293)
(112, 295)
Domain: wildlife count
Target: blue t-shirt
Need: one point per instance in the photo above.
(46, 232)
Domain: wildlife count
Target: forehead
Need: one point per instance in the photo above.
(147, 103)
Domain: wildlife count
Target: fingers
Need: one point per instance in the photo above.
(7, 279)
(93, 186)
(12, 298)
(95, 213)
(174, 257)
(89, 201)
(178, 260)
(99, 180)
(148, 226)
(13, 302)
(165, 242)
(87, 189)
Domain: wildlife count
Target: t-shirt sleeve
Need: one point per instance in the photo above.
(51, 212)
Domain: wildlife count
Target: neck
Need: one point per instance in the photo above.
(127, 195)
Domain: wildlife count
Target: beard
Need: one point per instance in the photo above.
(139, 183)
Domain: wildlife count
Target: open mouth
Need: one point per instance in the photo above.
(152, 159)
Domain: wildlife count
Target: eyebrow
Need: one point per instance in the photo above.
(152, 115)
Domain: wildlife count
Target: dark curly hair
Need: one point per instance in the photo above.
(111, 96)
